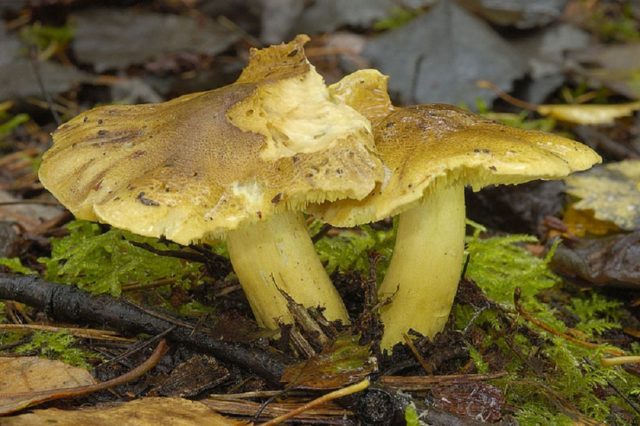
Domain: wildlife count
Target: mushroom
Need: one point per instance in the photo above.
(430, 152)
(240, 162)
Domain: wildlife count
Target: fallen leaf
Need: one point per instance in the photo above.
(588, 114)
(141, 412)
(28, 216)
(18, 74)
(342, 363)
(517, 13)
(33, 374)
(611, 191)
(113, 39)
(516, 209)
(608, 261)
(616, 66)
(582, 222)
(278, 18)
(192, 377)
(329, 15)
(439, 56)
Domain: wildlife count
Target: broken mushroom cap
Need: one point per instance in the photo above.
(197, 166)
(231, 162)
(430, 153)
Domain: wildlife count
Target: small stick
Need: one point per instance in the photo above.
(546, 327)
(620, 360)
(84, 333)
(417, 355)
(38, 397)
(357, 387)
(485, 84)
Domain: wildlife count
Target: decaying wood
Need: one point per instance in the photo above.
(68, 303)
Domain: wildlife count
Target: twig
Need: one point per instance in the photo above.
(620, 360)
(485, 84)
(38, 397)
(137, 347)
(84, 333)
(426, 367)
(36, 70)
(18, 202)
(74, 305)
(418, 383)
(358, 387)
(546, 327)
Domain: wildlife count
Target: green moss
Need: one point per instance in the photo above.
(14, 264)
(58, 345)
(411, 417)
(498, 265)
(348, 251)
(544, 366)
(102, 262)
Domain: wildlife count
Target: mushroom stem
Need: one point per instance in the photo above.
(277, 255)
(423, 275)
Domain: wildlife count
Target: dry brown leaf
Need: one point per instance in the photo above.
(33, 374)
(145, 411)
(588, 114)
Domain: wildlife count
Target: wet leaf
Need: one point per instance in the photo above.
(17, 72)
(612, 191)
(329, 15)
(111, 38)
(142, 412)
(431, 58)
(588, 114)
(195, 375)
(28, 216)
(340, 364)
(608, 261)
(616, 66)
(517, 13)
(278, 18)
(29, 375)
(516, 209)
(582, 222)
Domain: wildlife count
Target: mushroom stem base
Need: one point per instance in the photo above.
(278, 255)
(423, 275)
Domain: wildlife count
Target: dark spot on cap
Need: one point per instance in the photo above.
(294, 52)
(102, 132)
(493, 168)
(138, 153)
(277, 198)
(100, 121)
(146, 201)
(84, 120)
(259, 214)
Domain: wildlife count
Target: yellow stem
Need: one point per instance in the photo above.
(277, 254)
(423, 275)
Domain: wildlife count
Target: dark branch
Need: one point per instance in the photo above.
(68, 303)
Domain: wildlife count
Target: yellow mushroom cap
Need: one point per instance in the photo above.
(425, 146)
(199, 165)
